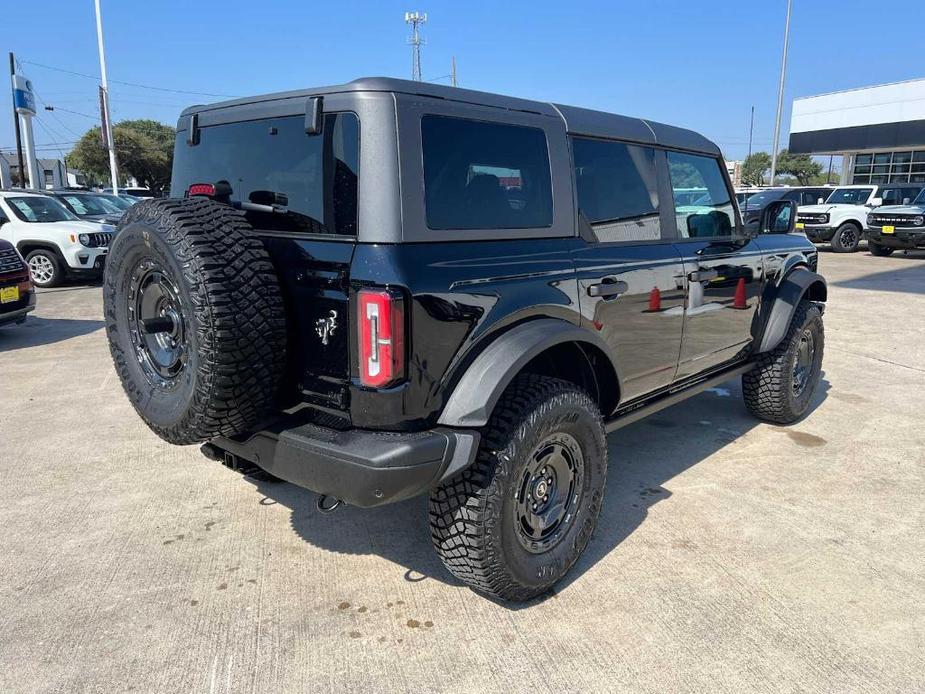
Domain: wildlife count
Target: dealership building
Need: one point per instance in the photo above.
(879, 131)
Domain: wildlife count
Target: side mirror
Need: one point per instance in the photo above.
(779, 217)
(820, 201)
(876, 202)
(906, 201)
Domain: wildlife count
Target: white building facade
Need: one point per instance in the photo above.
(879, 131)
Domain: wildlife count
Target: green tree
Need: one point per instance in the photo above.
(800, 166)
(754, 168)
(144, 149)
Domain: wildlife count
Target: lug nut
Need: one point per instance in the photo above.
(546, 498)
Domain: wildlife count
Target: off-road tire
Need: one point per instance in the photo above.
(55, 260)
(768, 388)
(232, 306)
(846, 238)
(472, 514)
(879, 250)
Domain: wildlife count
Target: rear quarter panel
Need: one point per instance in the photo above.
(458, 295)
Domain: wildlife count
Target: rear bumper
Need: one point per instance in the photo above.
(901, 238)
(363, 468)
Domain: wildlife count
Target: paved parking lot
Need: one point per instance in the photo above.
(731, 555)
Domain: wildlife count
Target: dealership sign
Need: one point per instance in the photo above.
(23, 98)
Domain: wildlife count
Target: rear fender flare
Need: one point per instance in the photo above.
(481, 386)
(798, 283)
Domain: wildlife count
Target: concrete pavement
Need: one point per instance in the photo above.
(731, 555)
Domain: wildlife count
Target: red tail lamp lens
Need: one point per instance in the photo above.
(381, 336)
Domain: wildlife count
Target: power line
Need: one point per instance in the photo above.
(130, 84)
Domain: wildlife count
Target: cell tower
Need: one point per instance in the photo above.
(415, 19)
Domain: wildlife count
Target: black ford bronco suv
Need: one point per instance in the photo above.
(390, 288)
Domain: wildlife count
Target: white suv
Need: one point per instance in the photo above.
(53, 240)
(842, 219)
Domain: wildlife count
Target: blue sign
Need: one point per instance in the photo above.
(23, 98)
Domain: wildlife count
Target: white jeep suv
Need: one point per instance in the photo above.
(842, 219)
(52, 239)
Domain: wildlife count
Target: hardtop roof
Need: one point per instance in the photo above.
(578, 121)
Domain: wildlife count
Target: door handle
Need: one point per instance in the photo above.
(703, 275)
(608, 287)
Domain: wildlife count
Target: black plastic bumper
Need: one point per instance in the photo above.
(819, 234)
(898, 239)
(363, 468)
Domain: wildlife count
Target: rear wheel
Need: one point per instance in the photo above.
(879, 249)
(781, 387)
(45, 267)
(846, 238)
(513, 523)
(195, 319)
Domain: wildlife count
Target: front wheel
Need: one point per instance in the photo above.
(879, 249)
(45, 267)
(780, 388)
(846, 238)
(513, 523)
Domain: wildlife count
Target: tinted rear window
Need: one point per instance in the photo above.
(480, 175)
(617, 189)
(314, 177)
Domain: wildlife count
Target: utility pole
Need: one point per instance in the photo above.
(415, 19)
(22, 165)
(104, 106)
(780, 93)
(751, 130)
(453, 73)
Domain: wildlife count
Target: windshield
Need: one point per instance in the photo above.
(761, 199)
(85, 204)
(40, 209)
(122, 202)
(849, 196)
(920, 198)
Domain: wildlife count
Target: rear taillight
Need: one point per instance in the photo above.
(206, 189)
(381, 337)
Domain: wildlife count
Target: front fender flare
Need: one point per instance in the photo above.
(481, 386)
(789, 292)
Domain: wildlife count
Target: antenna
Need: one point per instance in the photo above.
(415, 19)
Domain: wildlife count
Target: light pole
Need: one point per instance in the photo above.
(104, 106)
(780, 94)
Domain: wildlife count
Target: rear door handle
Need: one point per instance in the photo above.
(608, 287)
(703, 275)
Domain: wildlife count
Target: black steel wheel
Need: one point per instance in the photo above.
(846, 238)
(548, 492)
(513, 523)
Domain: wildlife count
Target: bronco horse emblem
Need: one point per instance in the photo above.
(325, 327)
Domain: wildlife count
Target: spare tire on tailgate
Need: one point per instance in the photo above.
(195, 319)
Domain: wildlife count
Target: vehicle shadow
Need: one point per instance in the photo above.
(910, 279)
(642, 458)
(44, 331)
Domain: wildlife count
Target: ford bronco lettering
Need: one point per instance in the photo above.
(389, 288)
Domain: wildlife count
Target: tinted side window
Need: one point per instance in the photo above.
(314, 177)
(891, 196)
(617, 189)
(711, 213)
(480, 175)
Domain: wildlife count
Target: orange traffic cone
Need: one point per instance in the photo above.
(739, 301)
(655, 301)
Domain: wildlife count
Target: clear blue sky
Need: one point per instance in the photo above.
(699, 64)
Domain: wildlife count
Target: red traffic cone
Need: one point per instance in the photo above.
(655, 301)
(739, 301)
